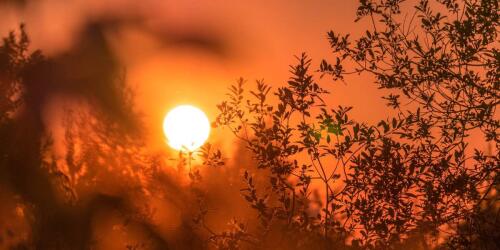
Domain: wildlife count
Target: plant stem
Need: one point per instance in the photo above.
(326, 214)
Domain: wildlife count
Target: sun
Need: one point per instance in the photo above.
(186, 127)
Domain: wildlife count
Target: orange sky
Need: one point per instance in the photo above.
(257, 40)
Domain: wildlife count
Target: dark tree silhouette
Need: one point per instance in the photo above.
(412, 176)
(104, 167)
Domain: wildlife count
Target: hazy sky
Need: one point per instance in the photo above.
(250, 39)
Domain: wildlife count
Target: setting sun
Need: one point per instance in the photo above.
(186, 127)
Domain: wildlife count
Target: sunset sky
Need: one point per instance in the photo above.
(155, 41)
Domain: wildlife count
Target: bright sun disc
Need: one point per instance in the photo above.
(186, 127)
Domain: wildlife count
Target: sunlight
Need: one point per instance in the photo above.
(186, 127)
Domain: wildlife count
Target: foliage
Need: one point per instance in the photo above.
(14, 57)
(102, 166)
(380, 184)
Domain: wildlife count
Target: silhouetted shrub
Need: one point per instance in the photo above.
(337, 180)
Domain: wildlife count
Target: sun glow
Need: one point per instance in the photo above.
(186, 127)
